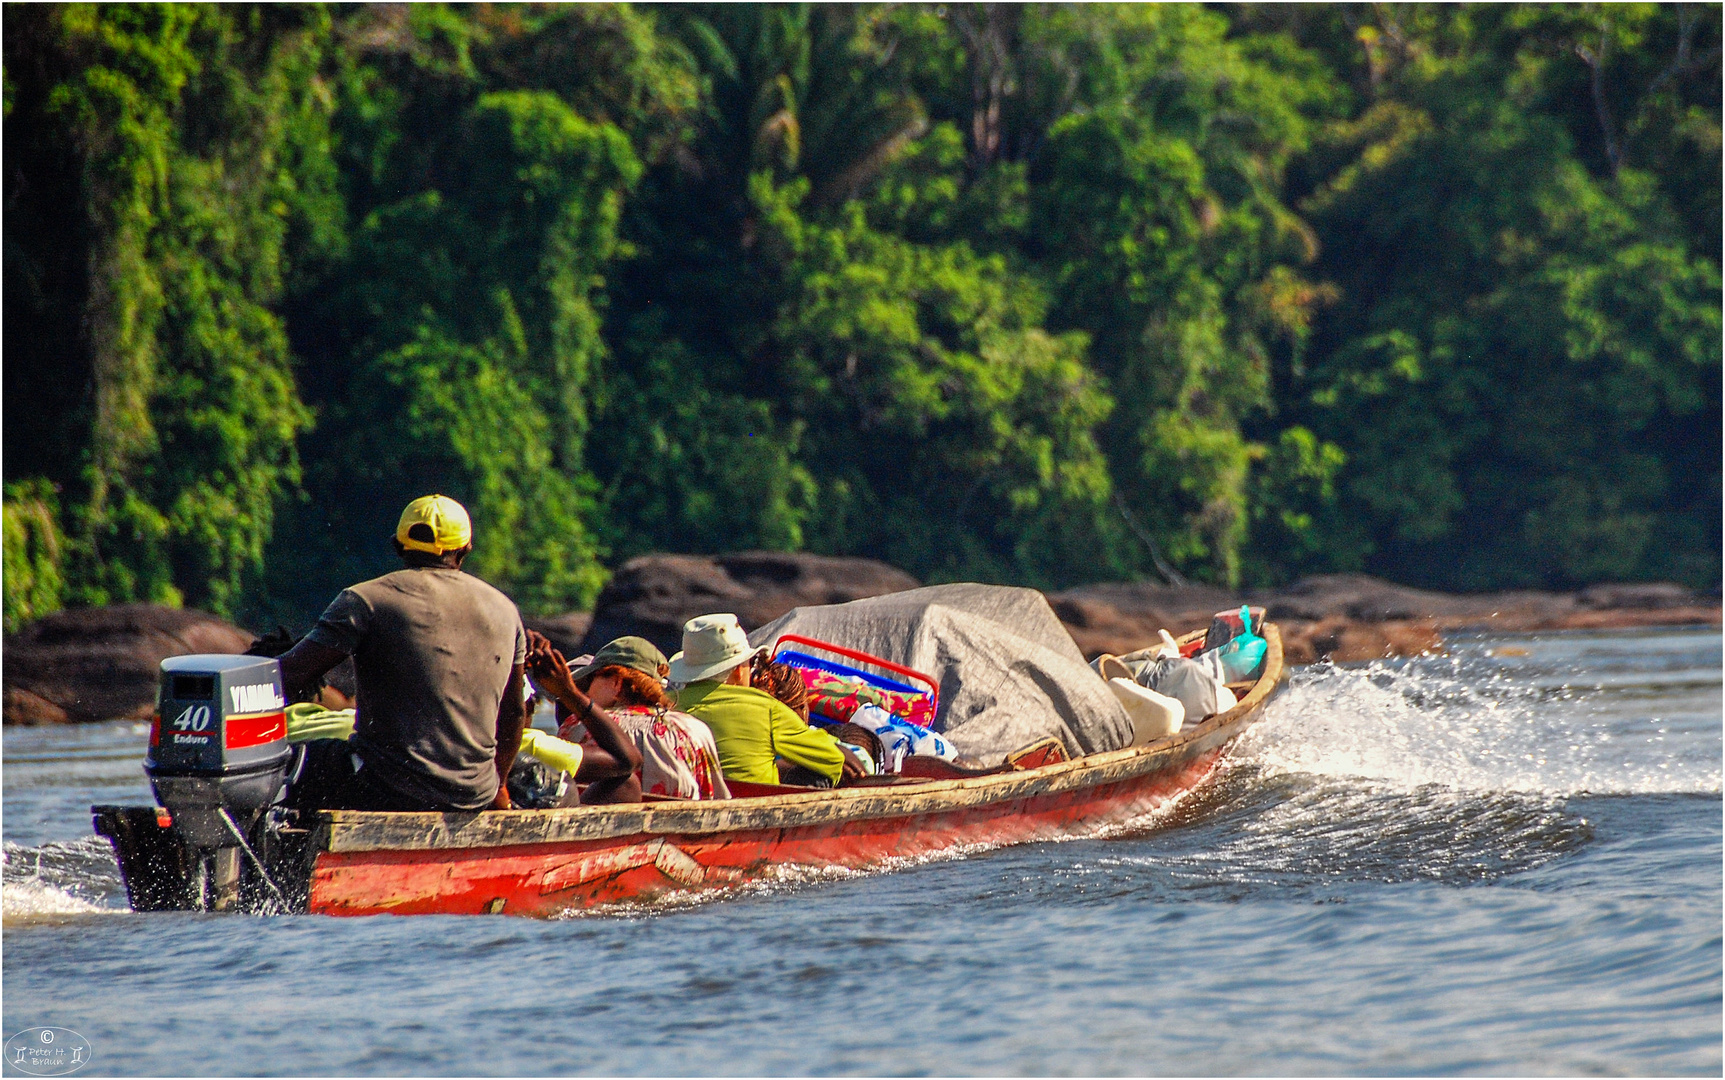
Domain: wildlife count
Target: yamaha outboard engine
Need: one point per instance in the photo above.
(218, 759)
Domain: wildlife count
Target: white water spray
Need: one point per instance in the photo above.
(55, 879)
(1444, 722)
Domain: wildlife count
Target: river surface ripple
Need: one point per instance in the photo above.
(1504, 860)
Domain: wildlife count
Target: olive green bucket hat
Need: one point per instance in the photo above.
(631, 652)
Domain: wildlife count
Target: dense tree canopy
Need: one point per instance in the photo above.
(1025, 293)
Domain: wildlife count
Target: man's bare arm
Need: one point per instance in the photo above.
(511, 720)
(305, 665)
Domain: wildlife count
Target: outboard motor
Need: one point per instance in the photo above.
(218, 759)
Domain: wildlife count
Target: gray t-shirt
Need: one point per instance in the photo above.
(433, 649)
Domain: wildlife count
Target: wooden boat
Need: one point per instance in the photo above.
(546, 862)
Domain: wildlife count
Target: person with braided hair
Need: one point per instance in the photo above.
(783, 682)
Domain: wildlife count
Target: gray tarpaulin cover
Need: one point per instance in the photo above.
(1009, 673)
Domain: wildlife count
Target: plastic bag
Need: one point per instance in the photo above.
(1195, 685)
(534, 785)
(1243, 655)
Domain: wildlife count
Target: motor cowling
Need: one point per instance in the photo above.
(218, 743)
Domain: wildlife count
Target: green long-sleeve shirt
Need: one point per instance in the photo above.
(752, 727)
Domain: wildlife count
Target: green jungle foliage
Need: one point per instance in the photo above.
(1032, 293)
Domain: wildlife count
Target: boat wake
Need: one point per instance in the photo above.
(59, 879)
(1438, 770)
(1440, 722)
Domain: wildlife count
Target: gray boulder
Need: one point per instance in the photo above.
(652, 596)
(101, 663)
(564, 631)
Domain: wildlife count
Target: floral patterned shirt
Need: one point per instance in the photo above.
(678, 755)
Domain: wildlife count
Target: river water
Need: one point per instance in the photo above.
(1503, 860)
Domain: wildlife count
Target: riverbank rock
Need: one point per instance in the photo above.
(566, 632)
(1354, 617)
(101, 663)
(1344, 641)
(1119, 617)
(654, 595)
(89, 664)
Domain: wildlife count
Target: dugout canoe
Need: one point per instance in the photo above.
(549, 862)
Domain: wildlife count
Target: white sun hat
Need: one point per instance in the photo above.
(712, 646)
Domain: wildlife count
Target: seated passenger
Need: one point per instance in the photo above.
(751, 727)
(679, 758)
(608, 756)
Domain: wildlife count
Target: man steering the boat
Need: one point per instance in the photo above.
(439, 656)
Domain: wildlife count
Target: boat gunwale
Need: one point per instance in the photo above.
(344, 831)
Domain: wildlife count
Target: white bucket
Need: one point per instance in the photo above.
(1154, 716)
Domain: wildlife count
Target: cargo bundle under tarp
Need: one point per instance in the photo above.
(1009, 673)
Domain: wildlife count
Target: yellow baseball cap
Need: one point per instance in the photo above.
(443, 519)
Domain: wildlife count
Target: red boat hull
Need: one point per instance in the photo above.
(552, 878)
(546, 862)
